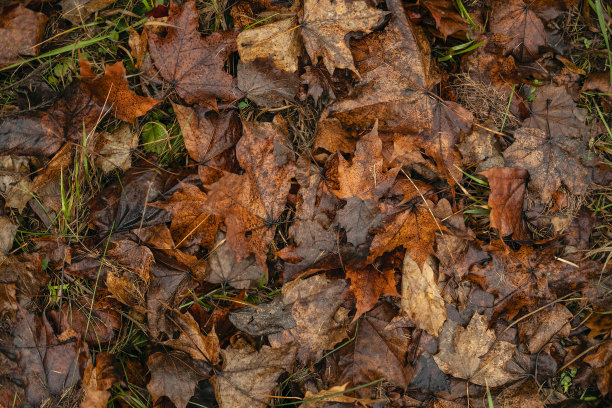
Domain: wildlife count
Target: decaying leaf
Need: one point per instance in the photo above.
(114, 150)
(248, 377)
(334, 394)
(551, 160)
(357, 217)
(21, 33)
(421, 297)
(368, 284)
(7, 235)
(77, 11)
(192, 341)
(481, 148)
(448, 21)
(265, 319)
(326, 24)
(601, 362)
(265, 85)
(97, 381)
(474, 354)
(540, 328)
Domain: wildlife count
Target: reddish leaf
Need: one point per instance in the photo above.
(21, 33)
(368, 284)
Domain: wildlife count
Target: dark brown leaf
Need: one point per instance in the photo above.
(540, 328)
(21, 33)
(368, 284)
(448, 21)
(357, 218)
(601, 361)
(265, 85)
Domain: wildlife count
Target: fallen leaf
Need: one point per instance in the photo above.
(421, 300)
(506, 200)
(128, 272)
(474, 354)
(334, 394)
(112, 90)
(248, 377)
(15, 183)
(319, 316)
(481, 149)
(277, 41)
(194, 67)
(21, 278)
(265, 85)
(394, 66)
(21, 33)
(598, 81)
(191, 340)
(522, 394)
(601, 362)
(97, 381)
(175, 375)
(266, 318)
(332, 137)
(365, 177)
(525, 31)
(326, 24)
(448, 21)
(319, 82)
(357, 218)
(551, 160)
(191, 224)
(368, 284)
(540, 328)
(114, 150)
(7, 234)
(77, 11)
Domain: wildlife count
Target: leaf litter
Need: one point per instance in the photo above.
(348, 203)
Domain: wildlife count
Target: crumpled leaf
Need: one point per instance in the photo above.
(265, 319)
(248, 377)
(474, 354)
(481, 148)
(265, 85)
(364, 178)
(194, 66)
(114, 150)
(540, 328)
(421, 297)
(506, 200)
(191, 340)
(551, 160)
(112, 89)
(394, 65)
(21, 33)
(326, 24)
(279, 41)
(175, 375)
(77, 11)
(368, 284)
(316, 308)
(516, 20)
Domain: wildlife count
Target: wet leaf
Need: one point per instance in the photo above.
(97, 381)
(357, 217)
(77, 11)
(473, 353)
(191, 340)
(368, 284)
(540, 328)
(601, 362)
(114, 150)
(448, 21)
(21, 32)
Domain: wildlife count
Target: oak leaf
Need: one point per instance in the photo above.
(326, 24)
(368, 284)
(193, 66)
(21, 33)
(474, 354)
(551, 160)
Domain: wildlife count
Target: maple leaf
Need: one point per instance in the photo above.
(448, 21)
(326, 24)
(318, 314)
(421, 298)
(265, 85)
(208, 135)
(474, 354)
(191, 223)
(175, 375)
(551, 160)
(112, 89)
(248, 377)
(368, 284)
(414, 229)
(191, 340)
(394, 66)
(21, 33)
(194, 66)
(357, 218)
(517, 20)
(226, 270)
(506, 200)
(364, 178)
(555, 112)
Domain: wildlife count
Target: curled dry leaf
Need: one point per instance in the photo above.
(21, 32)
(175, 375)
(194, 67)
(551, 160)
(506, 200)
(319, 318)
(326, 25)
(474, 354)
(248, 377)
(421, 298)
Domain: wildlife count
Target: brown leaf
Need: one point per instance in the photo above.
(332, 137)
(357, 218)
(482, 149)
(598, 81)
(279, 41)
(128, 274)
(248, 377)
(77, 11)
(193, 66)
(97, 381)
(506, 200)
(21, 33)
(525, 31)
(551, 160)
(266, 318)
(601, 362)
(334, 394)
(21, 278)
(555, 112)
(364, 178)
(225, 269)
(192, 341)
(191, 224)
(114, 150)
(326, 24)
(422, 300)
(448, 21)
(318, 315)
(522, 394)
(318, 81)
(265, 85)
(208, 135)
(414, 229)
(112, 90)
(7, 235)
(368, 284)
(15, 183)
(473, 353)
(175, 375)
(376, 352)
(540, 328)
(394, 66)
